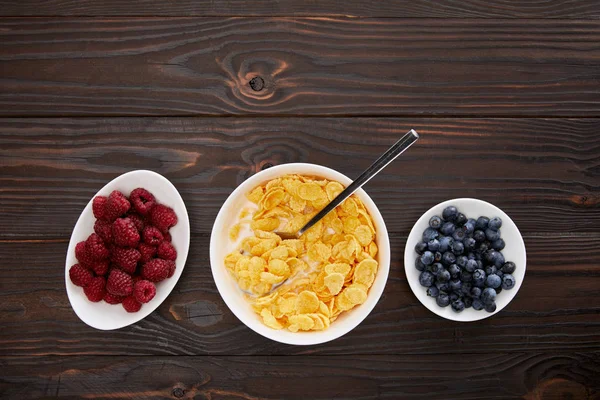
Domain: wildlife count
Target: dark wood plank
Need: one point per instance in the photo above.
(557, 309)
(527, 375)
(543, 172)
(325, 66)
(353, 8)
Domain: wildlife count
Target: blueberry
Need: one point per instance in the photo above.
(483, 247)
(435, 268)
(466, 276)
(490, 307)
(443, 276)
(458, 248)
(493, 281)
(479, 277)
(450, 213)
(442, 286)
(426, 279)
(475, 292)
(455, 284)
(427, 258)
(461, 219)
(498, 244)
(420, 247)
(471, 265)
(500, 273)
(437, 256)
(509, 267)
(459, 235)
(458, 305)
(442, 300)
(469, 226)
(490, 269)
(479, 264)
(479, 236)
(498, 290)
(419, 265)
(495, 223)
(469, 243)
(433, 245)
(454, 271)
(471, 256)
(477, 304)
(461, 261)
(508, 282)
(448, 258)
(454, 296)
(448, 228)
(488, 296)
(499, 259)
(490, 256)
(435, 222)
(492, 235)
(432, 291)
(429, 234)
(466, 289)
(482, 223)
(468, 302)
(445, 243)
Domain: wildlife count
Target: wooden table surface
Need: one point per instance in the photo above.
(505, 95)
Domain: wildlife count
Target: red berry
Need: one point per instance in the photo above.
(96, 289)
(125, 233)
(147, 252)
(119, 283)
(112, 299)
(156, 270)
(99, 207)
(125, 258)
(167, 237)
(144, 291)
(95, 248)
(171, 269)
(82, 255)
(104, 230)
(138, 221)
(130, 304)
(116, 206)
(166, 251)
(142, 200)
(152, 236)
(100, 268)
(163, 217)
(80, 275)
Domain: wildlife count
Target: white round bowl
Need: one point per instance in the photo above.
(234, 297)
(105, 316)
(514, 251)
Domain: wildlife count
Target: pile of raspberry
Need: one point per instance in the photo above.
(129, 252)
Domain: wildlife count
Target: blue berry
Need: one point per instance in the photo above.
(458, 305)
(461, 219)
(450, 213)
(448, 258)
(437, 256)
(435, 222)
(475, 292)
(419, 265)
(495, 223)
(490, 307)
(498, 259)
(471, 256)
(435, 268)
(466, 288)
(477, 304)
(508, 282)
(448, 229)
(479, 277)
(479, 236)
(493, 281)
(471, 265)
(468, 302)
(469, 243)
(488, 296)
(490, 269)
(469, 226)
(420, 247)
(483, 247)
(455, 285)
(426, 279)
(433, 245)
(466, 276)
(479, 264)
(461, 261)
(498, 244)
(432, 291)
(442, 300)
(492, 235)
(442, 286)
(509, 267)
(443, 276)
(500, 273)
(482, 223)
(454, 271)
(459, 235)
(427, 258)
(454, 296)
(429, 234)
(458, 248)
(445, 243)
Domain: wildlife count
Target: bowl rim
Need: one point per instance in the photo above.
(410, 257)
(359, 313)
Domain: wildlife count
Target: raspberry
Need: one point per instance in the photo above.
(144, 291)
(80, 275)
(163, 217)
(119, 283)
(116, 205)
(171, 269)
(104, 230)
(126, 259)
(96, 289)
(138, 221)
(82, 255)
(130, 304)
(166, 251)
(167, 237)
(112, 299)
(99, 207)
(125, 233)
(95, 248)
(100, 268)
(142, 200)
(147, 252)
(156, 270)
(152, 236)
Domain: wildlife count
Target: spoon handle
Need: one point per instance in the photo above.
(390, 155)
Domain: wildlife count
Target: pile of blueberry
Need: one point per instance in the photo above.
(461, 261)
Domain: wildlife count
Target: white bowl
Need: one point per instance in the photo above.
(234, 297)
(514, 251)
(105, 316)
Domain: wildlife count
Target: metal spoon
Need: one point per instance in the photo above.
(390, 155)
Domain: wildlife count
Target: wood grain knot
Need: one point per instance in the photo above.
(178, 392)
(202, 313)
(257, 83)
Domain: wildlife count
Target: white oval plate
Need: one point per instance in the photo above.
(105, 316)
(514, 251)
(234, 297)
